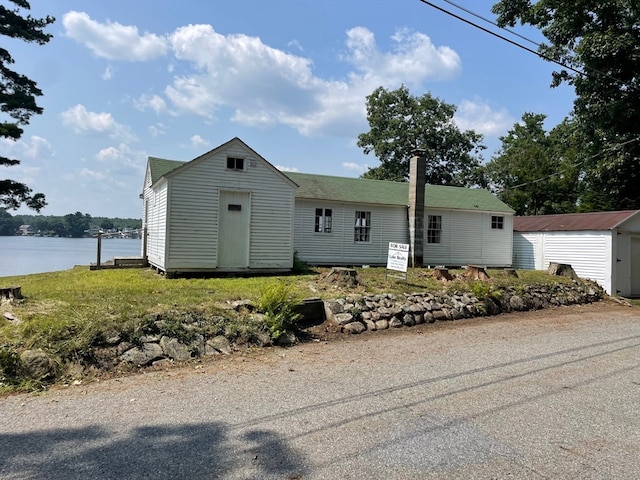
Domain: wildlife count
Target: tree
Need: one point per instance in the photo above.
(601, 39)
(76, 224)
(536, 172)
(8, 224)
(400, 122)
(18, 98)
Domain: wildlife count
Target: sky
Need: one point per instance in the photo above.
(127, 79)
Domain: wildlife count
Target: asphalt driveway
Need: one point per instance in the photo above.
(552, 394)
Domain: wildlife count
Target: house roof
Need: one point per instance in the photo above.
(359, 190)
(381, 192)
(159, 167)
(571, 222)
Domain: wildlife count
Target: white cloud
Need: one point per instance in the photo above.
(108, 73)
(112, 40)
(477, 115)
(355, 167)
(122, 159)
(152, 102)
(93, 174)
(282, 168)
(34, 148)
(157, 129)
(82, 121)
(265, 86)
(198, 141)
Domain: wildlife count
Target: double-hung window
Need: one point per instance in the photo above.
(362, 228)
(434, 228)
(323, 220)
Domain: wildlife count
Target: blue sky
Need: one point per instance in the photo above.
(124, 80)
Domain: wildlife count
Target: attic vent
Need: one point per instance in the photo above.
(252, 162)
(234, 207)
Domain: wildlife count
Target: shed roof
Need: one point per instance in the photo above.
(382, 192)
(571, 222)
(376, 192)
(159, 167)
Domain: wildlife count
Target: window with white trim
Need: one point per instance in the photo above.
(362, 227)
(434, 228)
(497, 222)
(323, 220)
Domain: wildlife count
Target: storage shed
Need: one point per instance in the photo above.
(603, 246)
(228, 210)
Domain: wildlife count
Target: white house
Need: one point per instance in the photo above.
(351, 221)
(603, 246)
(230, 210)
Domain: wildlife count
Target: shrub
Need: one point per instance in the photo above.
(277, 305)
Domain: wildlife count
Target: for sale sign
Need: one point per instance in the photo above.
(398, 257)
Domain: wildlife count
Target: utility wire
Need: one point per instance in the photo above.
(576, 164)
(502, 37)
(484, 19)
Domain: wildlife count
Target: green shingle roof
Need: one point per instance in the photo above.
(377, 192)
(159, 167)
(381, 192)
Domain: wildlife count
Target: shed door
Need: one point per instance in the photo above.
(635, 266)
(233, 229)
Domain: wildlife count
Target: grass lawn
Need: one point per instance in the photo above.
(68, 312)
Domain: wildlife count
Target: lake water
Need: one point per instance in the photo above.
(25, 255)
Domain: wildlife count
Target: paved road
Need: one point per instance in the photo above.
(543, 395)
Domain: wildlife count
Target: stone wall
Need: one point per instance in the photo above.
(357, 314)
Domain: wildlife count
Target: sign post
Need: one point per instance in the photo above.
(398, 259)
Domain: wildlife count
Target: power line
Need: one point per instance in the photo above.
(502, 37)
(576, 164)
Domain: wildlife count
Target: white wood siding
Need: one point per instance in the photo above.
(156, 228)
(388, 224)
(588, 252)
(193, 211)
(468, 239)
(526, 251)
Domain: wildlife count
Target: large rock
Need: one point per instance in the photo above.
(38, 365)
(143, 355)
(175, 350)
(354, 328)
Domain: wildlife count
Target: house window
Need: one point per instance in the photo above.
(323, 220)
(434, 228)
(362, 227)
(497, 222)
(234, 163)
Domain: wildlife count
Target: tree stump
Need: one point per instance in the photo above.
(342, 276)
(511, 272)
(9, 293)
(562, 269)
(474, 272)
(442, 274)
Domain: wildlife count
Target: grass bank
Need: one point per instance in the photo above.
(70, 313)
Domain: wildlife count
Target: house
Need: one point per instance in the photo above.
(351, 221)
(230, 210)
(602, 246)
(26, 230)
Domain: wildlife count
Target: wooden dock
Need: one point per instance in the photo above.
(120, 262)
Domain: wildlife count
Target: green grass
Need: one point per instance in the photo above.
(68, 313)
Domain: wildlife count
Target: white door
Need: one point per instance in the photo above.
(233, 229)
(635, 266)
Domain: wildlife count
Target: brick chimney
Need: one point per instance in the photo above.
(417, 181)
